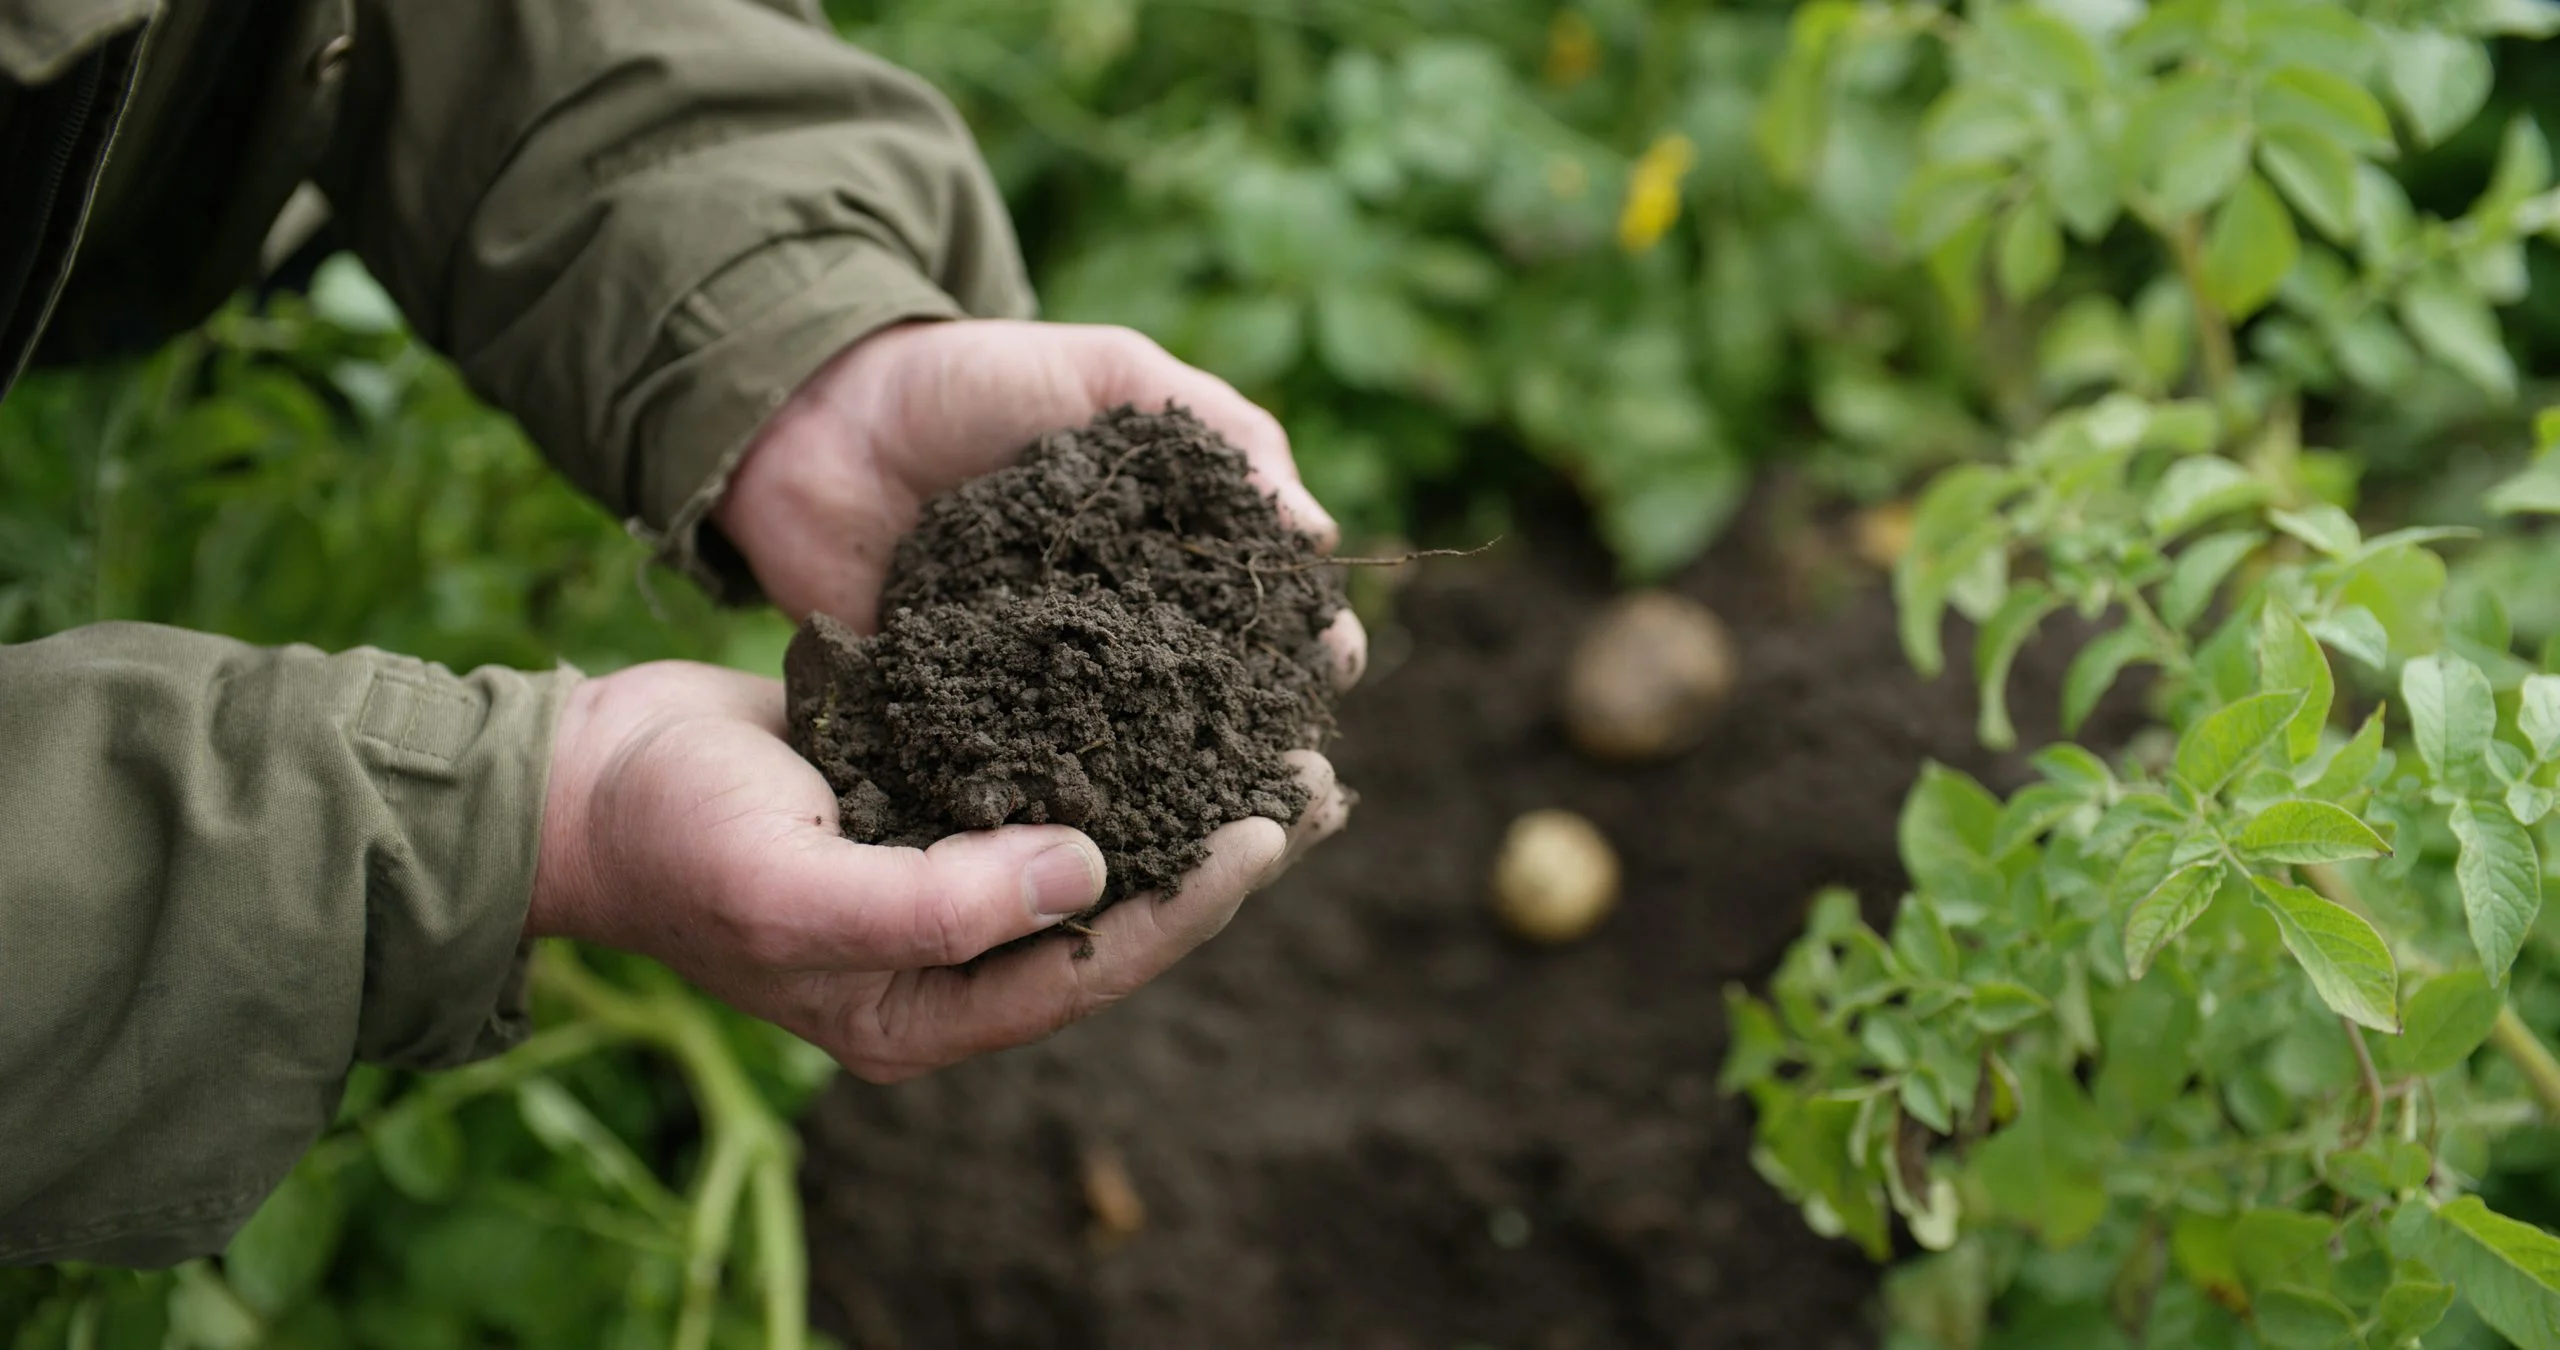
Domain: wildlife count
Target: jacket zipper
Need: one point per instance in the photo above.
(56, 170)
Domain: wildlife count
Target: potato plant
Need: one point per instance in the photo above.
(2207, 1043)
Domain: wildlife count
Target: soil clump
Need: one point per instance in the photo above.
(1118, 633)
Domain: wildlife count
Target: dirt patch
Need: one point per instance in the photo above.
(1117, 634)
(1362, 1118)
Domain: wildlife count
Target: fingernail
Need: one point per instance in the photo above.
(1063, 880)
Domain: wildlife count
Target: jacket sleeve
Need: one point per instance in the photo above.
(638, 225)
(226, 873)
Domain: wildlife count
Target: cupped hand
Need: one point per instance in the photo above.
(679, 824)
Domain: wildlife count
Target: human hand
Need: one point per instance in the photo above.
(679, 824)
(841, 472)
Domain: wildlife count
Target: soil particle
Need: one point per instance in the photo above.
(1118, 634)
(1365, 1117)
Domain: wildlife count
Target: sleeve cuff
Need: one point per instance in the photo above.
(736, 349)
(463, 763)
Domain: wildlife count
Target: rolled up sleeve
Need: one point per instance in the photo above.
(226, 874)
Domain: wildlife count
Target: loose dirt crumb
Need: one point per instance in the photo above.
(1118, 634)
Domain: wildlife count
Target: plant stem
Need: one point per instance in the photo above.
(2509, 1033)
(2213, 327)
(2372, 1079)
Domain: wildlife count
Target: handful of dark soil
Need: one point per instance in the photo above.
(1118, 634)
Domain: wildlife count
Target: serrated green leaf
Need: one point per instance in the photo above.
(2199, 573)
(2499, 873)
(2508, 1271)
(2307, 832)
(2440, 80)
(2197, 489)
(2349, 964)
(2250, 249)
(2290, 658)
(2452, 715)
(2157, 918)
(2322, 526)
(1996, 648)
(2233, 735)
(2445, 1019)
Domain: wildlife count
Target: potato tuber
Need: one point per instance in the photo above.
(1556, 878)
(1648, 678)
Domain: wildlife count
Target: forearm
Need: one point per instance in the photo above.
(227, 874)
(639, 224)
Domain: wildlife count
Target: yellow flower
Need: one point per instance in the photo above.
(1573, 49)
(1653, 192)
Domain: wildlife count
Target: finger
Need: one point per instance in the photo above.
(1148, 376)
(1348, 641)
(930, 1018)
(1328, 810)
(846, 906)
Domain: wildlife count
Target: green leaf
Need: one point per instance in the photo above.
(2536, 491)
(2045, 1170)
(1945, 833)
(2355, 632)
(2347, 771)
(2529, 801)
(2079, 177)
(2250, 249)
(2457, 327)
(2203, 163)
(2030, 812)
(2349, 964)
(2093, 672)
(1996, 647)
(2452, 715)
(2538, 713)
(2040, 48)
(2446, 1019)
(1367, 336)
(2509, 1272)
(1942, 199)
(2307, 832)
(420, 1149)
(2150, 1051)
(2274, 1247)
(1973, 121)
(2158, 918)
(2323, 527)
(2290, 658)
(1248, 340)
(2224, 743)
(2005, 1005)
(1756, 1044)
(2197, 489)
(2329, 107)
(2409, 1309)
(2317, 175)
(2500, 876)
(2291, 1317)
(2440, 81)
(2030, 252)
(281, 1253)
(1956, 521)
(2199, 573)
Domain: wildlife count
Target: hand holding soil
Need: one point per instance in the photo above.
(681, 824)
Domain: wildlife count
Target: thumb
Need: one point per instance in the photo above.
(855, 906)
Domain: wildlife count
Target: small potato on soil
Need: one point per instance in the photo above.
(1648, 678)
(1555, 879)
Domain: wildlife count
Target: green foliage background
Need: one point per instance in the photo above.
(1468, 249)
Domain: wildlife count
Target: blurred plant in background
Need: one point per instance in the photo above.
(1466, 249)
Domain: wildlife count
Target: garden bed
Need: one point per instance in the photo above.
(1365, 1118)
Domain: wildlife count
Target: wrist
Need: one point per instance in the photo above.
(564, 891)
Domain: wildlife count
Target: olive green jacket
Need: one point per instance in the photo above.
(228, 873)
